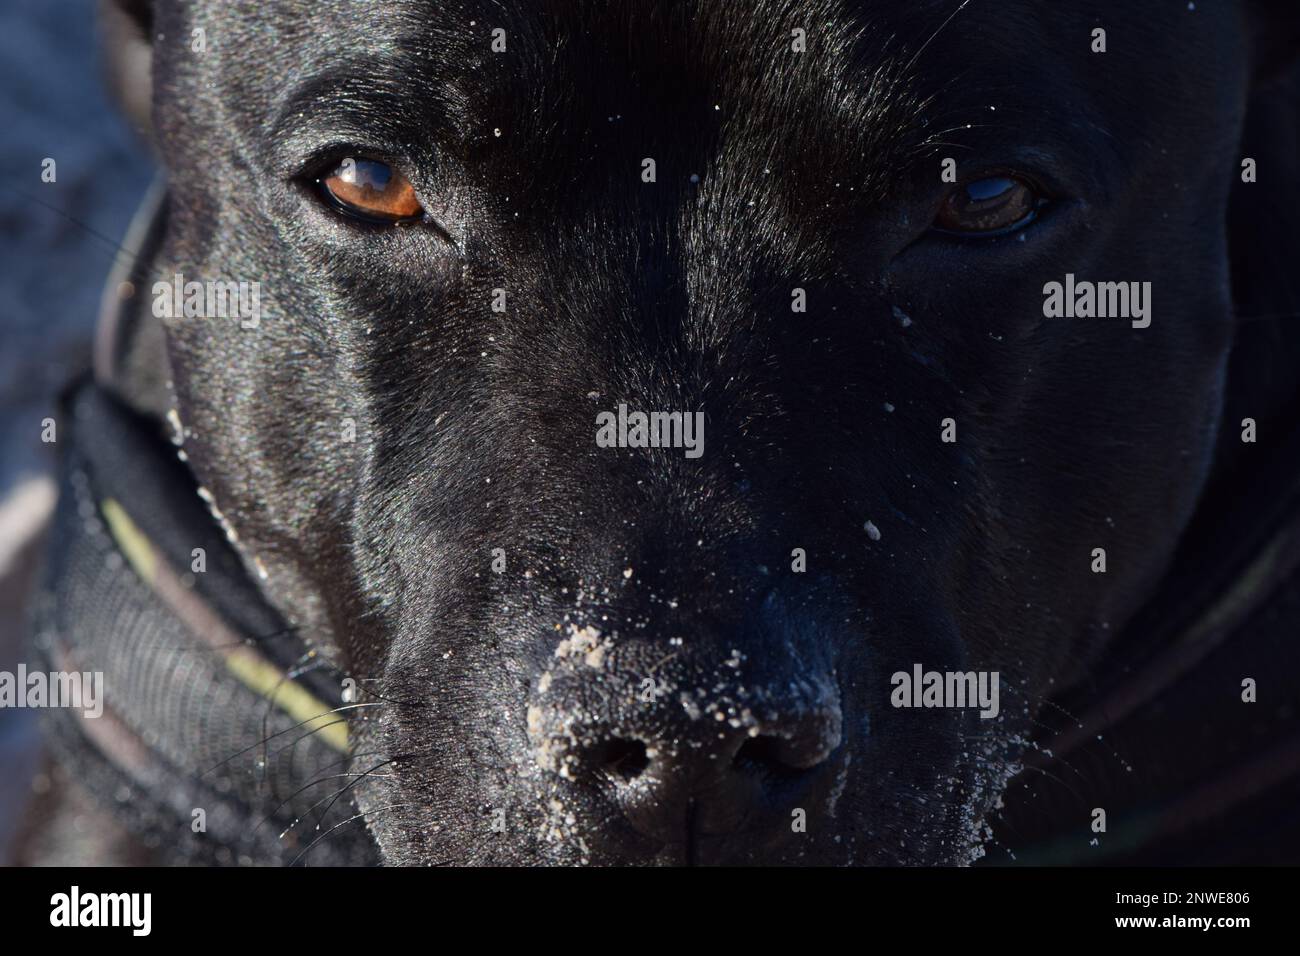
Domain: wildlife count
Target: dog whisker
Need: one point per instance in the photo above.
(360, 816)
(262, 742)
(317, 779)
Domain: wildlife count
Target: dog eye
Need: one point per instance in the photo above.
(990, 206)
(371, 190)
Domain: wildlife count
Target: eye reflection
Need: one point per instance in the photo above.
(372, 190)
(993, 205)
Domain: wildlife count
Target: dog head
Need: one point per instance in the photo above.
(817, 241)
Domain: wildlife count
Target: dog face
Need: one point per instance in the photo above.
(671, 657)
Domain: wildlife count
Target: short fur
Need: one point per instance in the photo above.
(775, 170)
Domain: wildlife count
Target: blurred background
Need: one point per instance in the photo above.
(59, 241)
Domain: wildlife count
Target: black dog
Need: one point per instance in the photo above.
(828, 227)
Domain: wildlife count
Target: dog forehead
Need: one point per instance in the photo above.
(576, 62)
(580, 62)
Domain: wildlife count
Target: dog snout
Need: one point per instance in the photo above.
(692, 752)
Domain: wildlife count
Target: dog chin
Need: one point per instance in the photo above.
(948, 827)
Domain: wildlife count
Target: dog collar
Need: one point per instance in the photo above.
(1172, 685)
(224, 735)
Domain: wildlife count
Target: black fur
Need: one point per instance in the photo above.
(474, 429)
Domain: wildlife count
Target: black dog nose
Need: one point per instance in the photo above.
(689, 755)
(678, 784)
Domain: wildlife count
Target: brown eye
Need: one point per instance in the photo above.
(987, 207)
(371, 190)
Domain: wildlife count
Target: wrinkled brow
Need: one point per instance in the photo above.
(388, 102)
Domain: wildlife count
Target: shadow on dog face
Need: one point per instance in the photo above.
(474, 246)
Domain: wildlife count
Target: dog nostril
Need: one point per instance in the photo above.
(769, 754)
(756, 753)
(623, 758)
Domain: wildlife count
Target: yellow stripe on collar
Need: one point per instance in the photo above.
(251, 669)
(139, 552)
